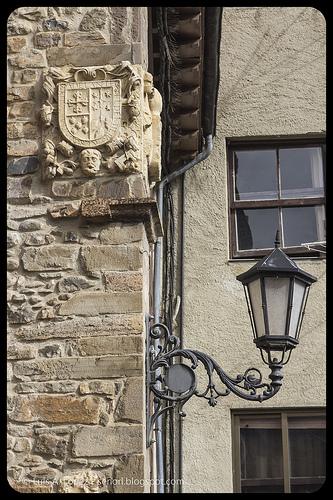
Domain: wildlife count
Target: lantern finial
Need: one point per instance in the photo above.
(277, 242)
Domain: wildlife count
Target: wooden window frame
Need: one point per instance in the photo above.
(284, 413)
(249, 144)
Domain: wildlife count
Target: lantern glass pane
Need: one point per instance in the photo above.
(277, 293)
(256, 304)
(299, 291)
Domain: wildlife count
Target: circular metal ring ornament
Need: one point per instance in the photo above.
(181, 379)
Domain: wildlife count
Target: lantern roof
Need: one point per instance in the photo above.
(276, 262)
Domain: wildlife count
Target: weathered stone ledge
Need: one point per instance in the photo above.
(126, 210)
(112, 325)
(78, 368)
(95, 303)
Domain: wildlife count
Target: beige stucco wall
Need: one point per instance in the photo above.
(272, 68)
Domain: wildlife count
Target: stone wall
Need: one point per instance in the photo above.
(78, 287)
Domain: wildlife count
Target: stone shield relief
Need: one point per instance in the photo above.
(100, 121)
(89, 112)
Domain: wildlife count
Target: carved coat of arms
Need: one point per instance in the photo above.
(89, 112)
(100, 120)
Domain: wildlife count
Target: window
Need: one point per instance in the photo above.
(276, 184)
(279, 451)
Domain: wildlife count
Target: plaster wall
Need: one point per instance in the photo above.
(272, 67)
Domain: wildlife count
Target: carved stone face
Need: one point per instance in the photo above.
(148, 84)
(90, 161)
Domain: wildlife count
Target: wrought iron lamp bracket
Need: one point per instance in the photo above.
(173, 384)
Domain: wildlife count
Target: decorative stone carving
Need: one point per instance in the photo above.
(89, 112)
(90, 162)
(100, 121)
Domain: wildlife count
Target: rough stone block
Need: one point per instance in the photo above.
(15, 351)
(79, 368)
(74, 189)
(16, 76)
(115, 324)
(42, 474)
(116, 440)
(137, 186)
(26, 486)
(95, 303)
(86, 481)
(95, 208)
(56, 409)
(18, 189)
(107, 345)
(41, 387)
(30, 225)
(51, 444)
(118, 24)
(138, 19)
(29, 75)
(73, 284)
(20, 129)
(130, 404)
(64, 211)
(123, 281)
(48, 39)
(53, 24)
(93, 19)
(139, 54)
(18, 27)
(15, 130)
(31, 460)
(20, 94)
(16, 44)
(108, 387)
(23, 147)
(38, 239)
(130, 467)
(28, 58)
(71, 237)
(13, 239)
(49, 258)
(25, 111)
(21, 316)
(118, 233)
(13, 264)
(86, 38)
(95, 55)
(111, 258)
(61, 189)
(22, 444)
(32, 13)
(117, 188)
(22, 166)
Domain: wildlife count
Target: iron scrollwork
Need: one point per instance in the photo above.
(173, 384)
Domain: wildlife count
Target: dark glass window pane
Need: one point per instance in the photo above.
(256, 228)
(255, 175)
(301, 172)
(307, 449)
(261, 453)
(303, 225)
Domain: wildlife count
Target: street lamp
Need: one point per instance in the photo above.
(276, 291)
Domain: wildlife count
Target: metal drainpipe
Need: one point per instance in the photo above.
(157, 290)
